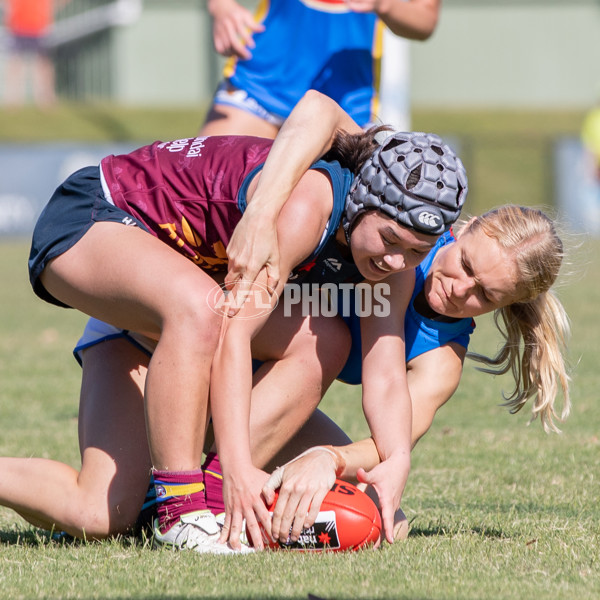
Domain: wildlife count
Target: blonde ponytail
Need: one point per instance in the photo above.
(535, 330)
(536, 335)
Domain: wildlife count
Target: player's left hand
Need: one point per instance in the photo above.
(388, 479)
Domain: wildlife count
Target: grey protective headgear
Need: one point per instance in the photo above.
(415, 178)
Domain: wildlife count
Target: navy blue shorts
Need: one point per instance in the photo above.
(75, 206)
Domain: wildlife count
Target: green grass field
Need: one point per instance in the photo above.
(499, 510)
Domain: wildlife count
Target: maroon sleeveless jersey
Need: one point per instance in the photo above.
(186, 191)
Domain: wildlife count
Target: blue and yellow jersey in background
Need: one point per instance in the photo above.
(312, 44)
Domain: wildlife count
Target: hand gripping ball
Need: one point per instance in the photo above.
(348, 520)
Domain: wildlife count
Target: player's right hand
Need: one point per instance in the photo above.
(388, 479)
(241, 494)
(233, 28)
(253, 247)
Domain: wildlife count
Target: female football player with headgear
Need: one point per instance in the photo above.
(112, 243)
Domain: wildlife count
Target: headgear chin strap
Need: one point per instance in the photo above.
(414, 178)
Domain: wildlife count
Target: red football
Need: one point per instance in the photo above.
(348, 520)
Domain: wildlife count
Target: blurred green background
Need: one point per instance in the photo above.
(508, 153)
(503, 80)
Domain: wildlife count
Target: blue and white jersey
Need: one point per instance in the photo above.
(420, 333)
(313, 44)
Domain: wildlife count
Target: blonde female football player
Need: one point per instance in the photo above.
(504, 261)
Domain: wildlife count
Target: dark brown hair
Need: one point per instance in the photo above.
(352, 150)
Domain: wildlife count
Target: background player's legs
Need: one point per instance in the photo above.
(43, 80)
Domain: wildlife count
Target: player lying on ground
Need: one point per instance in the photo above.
(164, 300)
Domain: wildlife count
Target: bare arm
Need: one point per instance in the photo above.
(433, 378)
(306, 480)
(428, 394)
(386, 398)
(304, 137)
(412, 19)
(300, 224)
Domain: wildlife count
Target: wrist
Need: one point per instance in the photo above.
(267, 209)
(338, 459)
(217, 7)
(235, 462)
(383, 8)
(340, 463)
(212, 7)
(400, 453)
(400, 458)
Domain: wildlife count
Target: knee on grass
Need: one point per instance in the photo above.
(97, 522)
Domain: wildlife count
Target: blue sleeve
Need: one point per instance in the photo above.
(421, 335)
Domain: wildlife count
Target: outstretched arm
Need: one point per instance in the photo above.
(413, 19)
(305, 481)
(386, 398)
(300, 224)
(305, 136)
